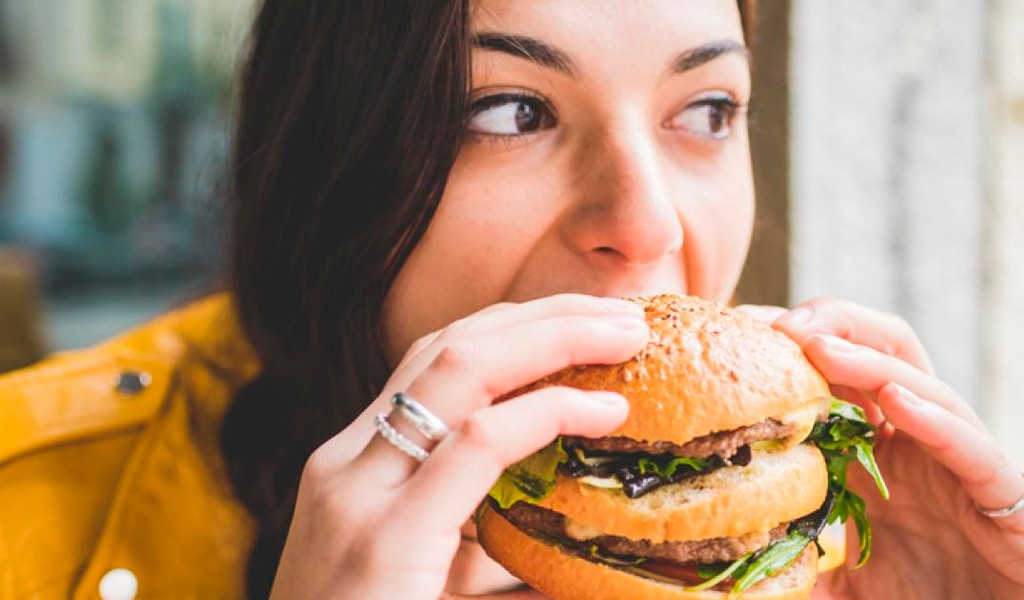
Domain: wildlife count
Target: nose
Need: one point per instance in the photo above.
(624, 211)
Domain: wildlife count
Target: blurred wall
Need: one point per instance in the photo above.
(893, 204)
(1003, 314)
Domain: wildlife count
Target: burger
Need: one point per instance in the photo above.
(720, 481)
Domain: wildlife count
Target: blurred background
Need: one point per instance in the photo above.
(113, 136)
(888, 140)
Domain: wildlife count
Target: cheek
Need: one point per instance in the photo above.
(718, 219)
(729, 234)
(489, 219)
(493, 214)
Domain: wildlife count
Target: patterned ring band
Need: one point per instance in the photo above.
(407, 446)
(419, 417)
(998, 513)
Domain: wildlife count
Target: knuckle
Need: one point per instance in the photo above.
(983, 477)
(455, 357)
(836, 313)
(421, 343)
(902, 331)
(479, 434)
(316, 468)
(898, 338)
(989, 474)
(823, 303)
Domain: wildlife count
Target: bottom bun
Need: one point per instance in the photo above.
(564, 576)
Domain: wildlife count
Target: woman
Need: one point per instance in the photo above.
(393, 234)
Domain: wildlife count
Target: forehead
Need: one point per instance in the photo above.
(601, 26)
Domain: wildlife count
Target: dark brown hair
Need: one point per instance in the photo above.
(350, 118)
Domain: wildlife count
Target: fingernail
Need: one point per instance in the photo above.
(836, 343)
(797, 317)
(634, 323)
(607, 398)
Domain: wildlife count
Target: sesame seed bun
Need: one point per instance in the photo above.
(706, 368)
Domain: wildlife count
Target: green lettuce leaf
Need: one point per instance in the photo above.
(846, 437)
(668, 469)
(530, 479)
(771, 561)
(753, 567)
(854, 509)
(715, 579)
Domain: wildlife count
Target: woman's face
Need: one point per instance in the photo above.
(606, 154)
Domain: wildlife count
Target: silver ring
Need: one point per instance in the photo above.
(419, 417)
(999, 513)
(398, 440)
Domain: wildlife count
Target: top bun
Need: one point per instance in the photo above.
(706, 368)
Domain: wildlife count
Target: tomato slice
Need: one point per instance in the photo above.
(686, 574)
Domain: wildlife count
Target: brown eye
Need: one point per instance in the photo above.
(709, 117)
(509, 114)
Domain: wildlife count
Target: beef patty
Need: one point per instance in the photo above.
(721, 443)
(535, 519)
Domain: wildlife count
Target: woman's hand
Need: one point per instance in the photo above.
(370, 522)
(930, 541)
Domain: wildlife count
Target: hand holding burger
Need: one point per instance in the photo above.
(732, 459)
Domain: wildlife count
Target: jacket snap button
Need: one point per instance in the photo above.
(130, 383)
(119, 584)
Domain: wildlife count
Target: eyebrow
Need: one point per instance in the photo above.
(551, 57)
(705, 53)
(526, 47)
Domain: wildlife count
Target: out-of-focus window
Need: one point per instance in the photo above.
(114, 133)
(109, 25)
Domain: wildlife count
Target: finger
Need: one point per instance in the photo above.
(505, 314)
(470, 374)
(762, 312)
(846, 364)
(970, 454)
(466, 464)
(422, 352)
(884, 332)
(485, 368)
(499, 317)
(865, 400)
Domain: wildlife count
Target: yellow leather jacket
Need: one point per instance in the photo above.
(109, 458)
